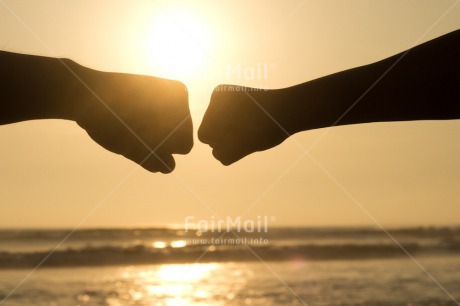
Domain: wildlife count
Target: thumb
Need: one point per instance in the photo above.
(232, 150)
(159, 163)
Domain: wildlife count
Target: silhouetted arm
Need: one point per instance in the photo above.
(422, 84)
(35, 87)
(143, 118)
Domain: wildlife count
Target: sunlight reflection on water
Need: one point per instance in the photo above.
(179, 284)
(395, 282)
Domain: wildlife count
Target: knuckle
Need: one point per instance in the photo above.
(203, 134)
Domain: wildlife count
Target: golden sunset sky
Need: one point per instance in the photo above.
(400, 174)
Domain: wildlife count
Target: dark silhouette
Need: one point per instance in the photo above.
(423, 84)
(126, 114)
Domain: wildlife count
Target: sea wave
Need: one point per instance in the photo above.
(272, 233)
(144, 254)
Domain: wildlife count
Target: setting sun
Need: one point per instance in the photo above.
(177, 44)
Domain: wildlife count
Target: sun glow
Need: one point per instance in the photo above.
(177, 44)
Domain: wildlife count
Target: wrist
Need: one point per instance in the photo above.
(312, 105)
(78, 97)
(298, 109)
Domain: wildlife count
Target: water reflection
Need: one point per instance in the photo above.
(371, 282)
(185, 273)
(175, 284)
(178, 244)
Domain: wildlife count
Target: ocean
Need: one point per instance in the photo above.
(285, 266)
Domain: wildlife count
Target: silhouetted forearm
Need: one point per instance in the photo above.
(143, 118)
(423, 85)
(35, 87)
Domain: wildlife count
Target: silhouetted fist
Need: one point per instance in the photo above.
(240, 121)
(145, 119)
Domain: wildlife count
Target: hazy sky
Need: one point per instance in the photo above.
(53, 175)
